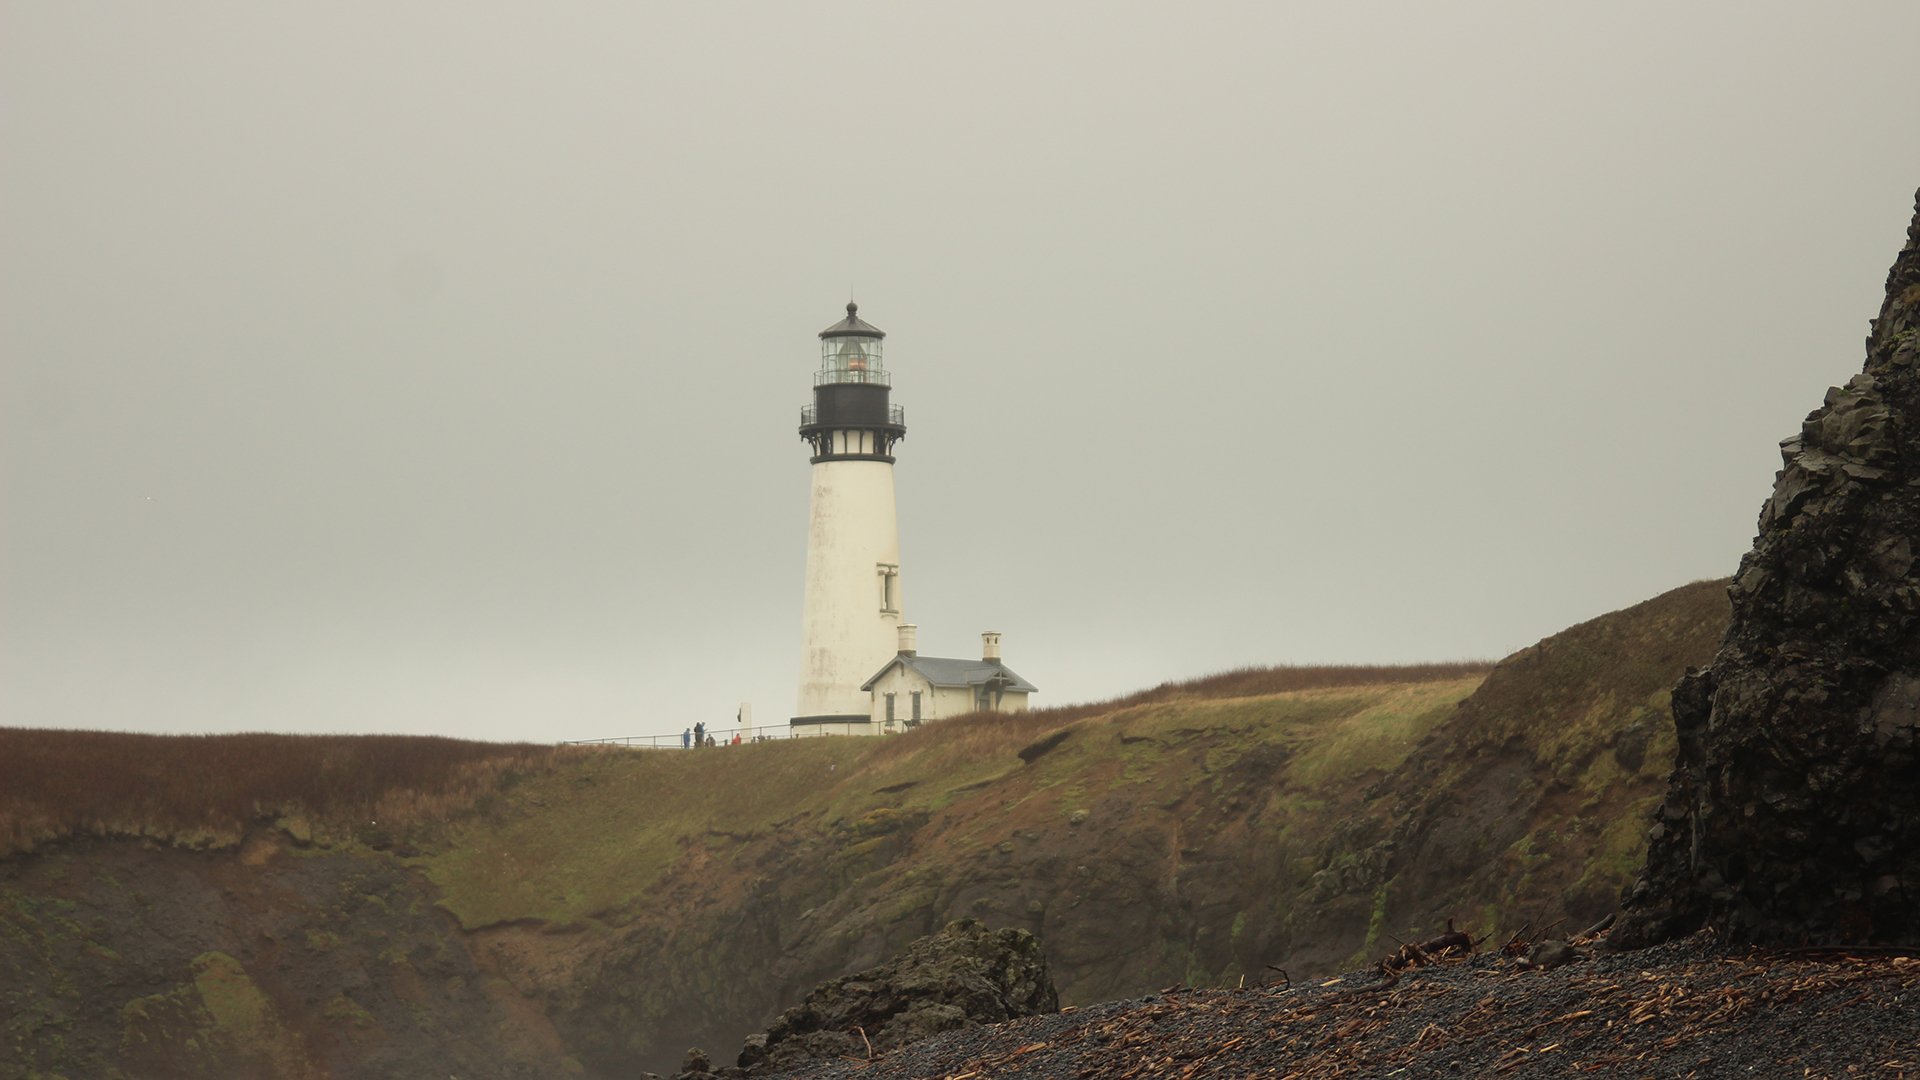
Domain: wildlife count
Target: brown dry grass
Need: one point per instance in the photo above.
(205, 789)
(985, 730)
(1257, 681)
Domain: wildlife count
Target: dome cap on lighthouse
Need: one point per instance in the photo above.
(853, 326)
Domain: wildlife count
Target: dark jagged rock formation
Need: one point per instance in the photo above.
(960, 977)
(1794, 807)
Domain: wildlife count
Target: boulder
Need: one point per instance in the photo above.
(694, 1066)
(1793, 812)
(962, 976)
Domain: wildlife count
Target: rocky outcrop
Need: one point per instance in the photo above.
(1794, 808)
(962, 976)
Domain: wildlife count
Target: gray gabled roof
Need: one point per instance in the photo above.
(853, 326)
(945, 671)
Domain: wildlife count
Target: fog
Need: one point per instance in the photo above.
(435, 368)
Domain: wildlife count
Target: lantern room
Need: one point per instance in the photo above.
(850, 352)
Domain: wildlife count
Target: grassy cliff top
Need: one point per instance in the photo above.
(204, 790)
(579, 842)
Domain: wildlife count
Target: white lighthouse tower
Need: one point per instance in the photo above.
(850, 626)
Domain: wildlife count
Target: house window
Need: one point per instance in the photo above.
(889, 588)
(889, 708)
(916, 706)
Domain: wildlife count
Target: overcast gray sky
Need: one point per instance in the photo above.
(434, 367)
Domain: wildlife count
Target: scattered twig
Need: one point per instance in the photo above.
(1849, 950)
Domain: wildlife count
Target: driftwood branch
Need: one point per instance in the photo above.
(1443, 946)
(1598, 928)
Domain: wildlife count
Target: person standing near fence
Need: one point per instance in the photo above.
(686, 738)
(700, 733)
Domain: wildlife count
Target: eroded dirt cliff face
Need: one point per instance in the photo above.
(1794, 810)
(122, 958)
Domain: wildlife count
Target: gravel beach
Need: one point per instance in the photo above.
(1687, 1009)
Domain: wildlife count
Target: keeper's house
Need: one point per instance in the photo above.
(914, 688)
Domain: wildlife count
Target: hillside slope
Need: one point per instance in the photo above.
(120, 958)
(597, 912)
(1531, 803)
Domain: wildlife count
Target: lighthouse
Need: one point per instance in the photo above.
(851, 617)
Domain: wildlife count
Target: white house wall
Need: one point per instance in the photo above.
(953, 701)
(851, 533)
(901, 685)
(936, 703)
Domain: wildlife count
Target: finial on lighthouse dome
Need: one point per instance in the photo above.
(853, 326)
